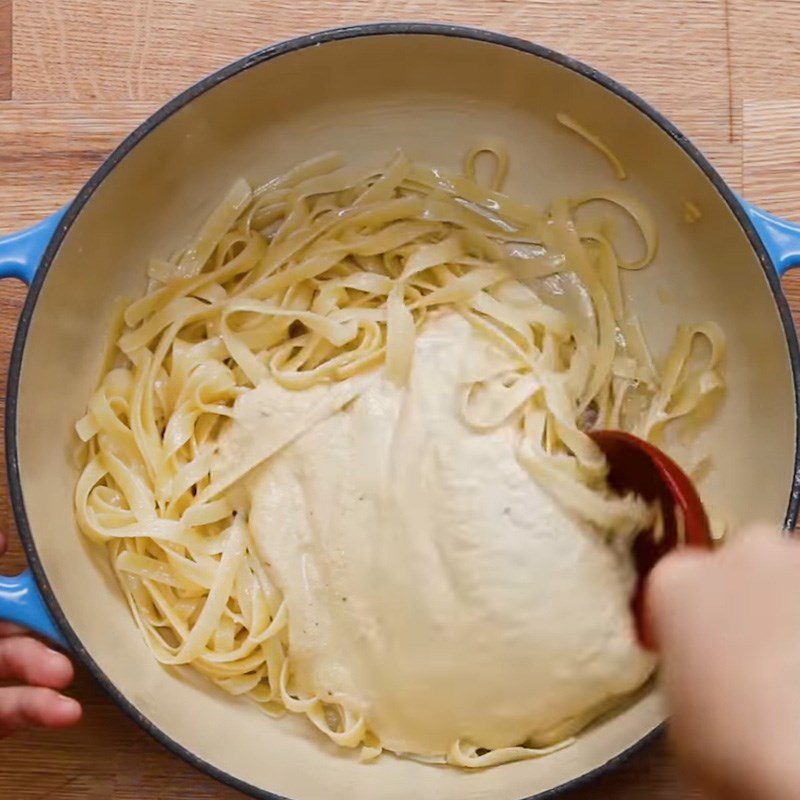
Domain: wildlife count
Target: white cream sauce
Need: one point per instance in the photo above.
(431, 584)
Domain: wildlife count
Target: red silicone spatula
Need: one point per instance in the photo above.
(637, 466)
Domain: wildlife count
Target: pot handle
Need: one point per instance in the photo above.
(21, 600)
(21, 252)
(780, 237)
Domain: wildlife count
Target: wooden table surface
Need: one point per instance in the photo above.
(76, 75)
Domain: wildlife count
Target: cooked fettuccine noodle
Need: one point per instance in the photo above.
(321, 277)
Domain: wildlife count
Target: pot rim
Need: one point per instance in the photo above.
(183, 99)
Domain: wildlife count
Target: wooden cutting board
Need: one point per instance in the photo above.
(76, 75)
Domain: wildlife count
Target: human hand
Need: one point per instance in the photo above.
(727, 625)
(41, 671)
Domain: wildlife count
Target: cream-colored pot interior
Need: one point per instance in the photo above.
(434, 96)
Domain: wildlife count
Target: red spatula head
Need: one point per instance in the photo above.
(637, 466)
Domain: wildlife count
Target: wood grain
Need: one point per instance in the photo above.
(5, 49)
(118, 49)
(85, 72)
(766, 52)
(48, 150)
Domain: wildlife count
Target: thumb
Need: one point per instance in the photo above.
(666, 592)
